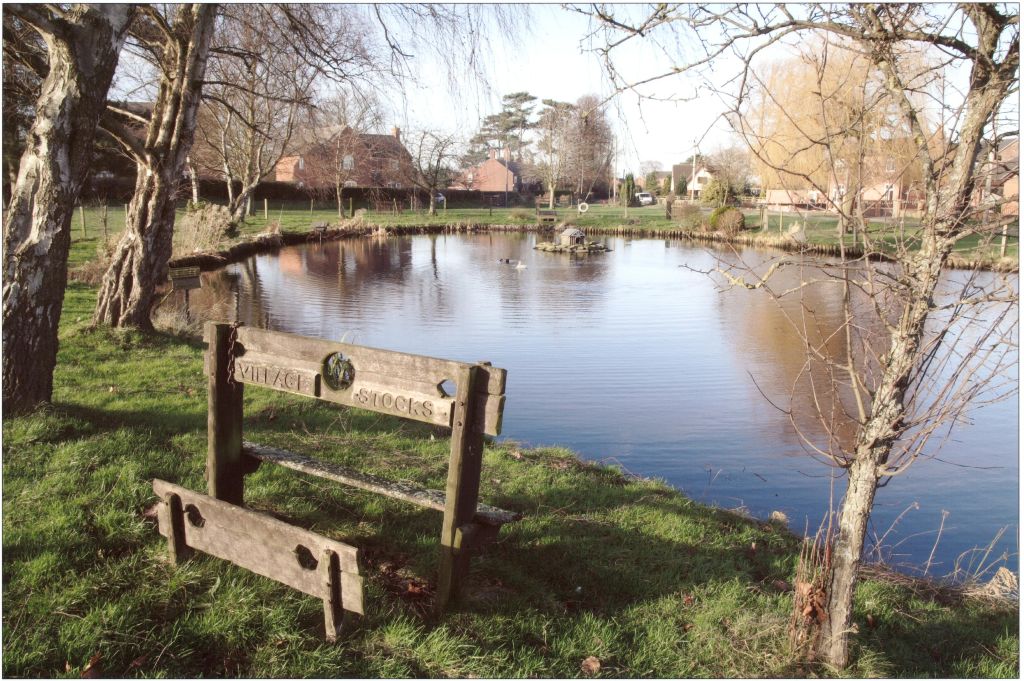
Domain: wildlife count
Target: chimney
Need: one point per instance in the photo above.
(397, 132)
(506, 153)
(493, 153)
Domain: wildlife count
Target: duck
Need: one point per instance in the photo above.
(520, 265)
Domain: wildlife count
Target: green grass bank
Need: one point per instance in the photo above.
(628, 571)
(820, 230)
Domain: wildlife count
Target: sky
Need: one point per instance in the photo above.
(548, 60)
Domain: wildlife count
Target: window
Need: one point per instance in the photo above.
(350, 183)
(393, 164)
(302, 163)
(890, 165)
(348, 163)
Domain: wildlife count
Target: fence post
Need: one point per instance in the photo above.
(461, 492)
(81, 212)
(224, 474)
(266, 210)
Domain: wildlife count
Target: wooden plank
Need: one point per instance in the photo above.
(429, 370)
(426, 498)
(262, 544)
(384, 392)
(461, 492)
(186, 284)
(182, 272)
(224, 475)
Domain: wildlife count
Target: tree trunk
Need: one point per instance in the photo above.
(433, 203)
(551, 197)
(83, 49)
(846, 556)
(193, 179)
(139, 263)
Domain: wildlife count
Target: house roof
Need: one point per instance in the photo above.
(572, 231)
(309, 139)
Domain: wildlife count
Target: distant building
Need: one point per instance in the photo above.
(998, 180)
(357, 159)
(696, 178)
(493, 175)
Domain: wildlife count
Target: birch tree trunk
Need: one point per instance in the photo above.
(942, 225)
(83, 46)
(140, 258)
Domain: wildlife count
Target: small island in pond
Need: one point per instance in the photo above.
(571, 240)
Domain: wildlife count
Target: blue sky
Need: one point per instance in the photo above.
(548, 60)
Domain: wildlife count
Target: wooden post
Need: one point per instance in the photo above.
(461, 492)
(174, 516)
(266, 210)
(81, 212)
(311, 206)
(330, 574)
(1002, 241)
(351, 208)
(104, 219)
(224, 469)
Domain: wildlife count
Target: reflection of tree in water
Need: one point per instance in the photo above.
(806, 384)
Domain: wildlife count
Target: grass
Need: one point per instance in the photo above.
(604, 565)
(297, 217)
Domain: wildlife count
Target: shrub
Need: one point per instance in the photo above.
(523, 215)
(727, 220)
(716, 192)
(688, 215)
(203, 227)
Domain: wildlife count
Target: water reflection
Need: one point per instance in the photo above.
(633, 355)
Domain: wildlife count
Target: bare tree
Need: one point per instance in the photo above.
(178, 46)
(919, 365)
(252, 104)
(591, 145)
(555, 127)
(333, 138)
(256, 98)
(82, 47)
(434, 156)
(731, 167)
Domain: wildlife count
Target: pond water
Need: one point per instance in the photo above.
(634, 357)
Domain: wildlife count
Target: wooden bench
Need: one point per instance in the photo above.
(546, 215)
(318, 229)
(400, 384)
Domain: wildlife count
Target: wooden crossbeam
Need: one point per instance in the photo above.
(427, 498)
(298, 558)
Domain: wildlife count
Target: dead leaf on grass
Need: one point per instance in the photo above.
(591, 666)
(92, 669)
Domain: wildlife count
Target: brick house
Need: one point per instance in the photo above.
(493, 175)
(357, 159)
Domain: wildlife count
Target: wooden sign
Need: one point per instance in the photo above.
(384, 381)
(184, 278)
(298, 558)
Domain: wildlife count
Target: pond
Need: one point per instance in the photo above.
(636, 358)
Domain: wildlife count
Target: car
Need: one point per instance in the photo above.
(439, 198)
(645, 198)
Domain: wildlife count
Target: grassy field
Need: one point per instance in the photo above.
(295, 217)
(628, 571)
